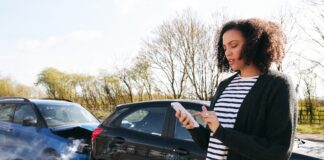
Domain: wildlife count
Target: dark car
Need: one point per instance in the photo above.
(149, 130)
(44, 129)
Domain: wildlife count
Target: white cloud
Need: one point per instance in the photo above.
(82, 36)
(182, 4)
(75, 37)
(52, 41)
(125, 7)
(30, 44)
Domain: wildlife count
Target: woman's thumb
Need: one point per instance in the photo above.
(203, 108)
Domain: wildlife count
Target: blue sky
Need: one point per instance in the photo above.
(91, 36)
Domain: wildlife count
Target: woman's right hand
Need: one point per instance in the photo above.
(184, 120)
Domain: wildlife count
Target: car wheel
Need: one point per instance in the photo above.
(50, 154)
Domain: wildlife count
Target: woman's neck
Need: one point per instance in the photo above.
(250, 71)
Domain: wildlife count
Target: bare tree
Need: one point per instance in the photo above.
(197, 44)
(142, 77)
(182, 50)
(125, 75)
(288, 22)
(315, 32)
(317, 7)
(309, 79)
(163, 53)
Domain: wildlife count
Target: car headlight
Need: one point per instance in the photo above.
(83, 148)
(78, 146)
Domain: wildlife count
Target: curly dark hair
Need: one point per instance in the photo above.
(264, 43)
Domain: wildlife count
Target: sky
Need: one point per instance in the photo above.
(92, 36)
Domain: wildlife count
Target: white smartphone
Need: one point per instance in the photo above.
(178, 107)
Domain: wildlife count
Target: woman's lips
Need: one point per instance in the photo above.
(230, 61)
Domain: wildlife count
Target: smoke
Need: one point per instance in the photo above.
(14, 149)
(73, 148)
(36, 150)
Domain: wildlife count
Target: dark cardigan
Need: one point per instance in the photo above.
(265, 124)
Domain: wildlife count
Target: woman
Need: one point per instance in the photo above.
(253, 113)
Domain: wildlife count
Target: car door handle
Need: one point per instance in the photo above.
(119, 140)
(180, 151)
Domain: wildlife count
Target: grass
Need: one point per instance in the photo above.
(310, 129)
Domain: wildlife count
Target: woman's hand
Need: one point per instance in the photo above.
(208, 117)
(184, 120)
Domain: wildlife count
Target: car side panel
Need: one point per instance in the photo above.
(180, 148)
(116, 143)
(120, 143)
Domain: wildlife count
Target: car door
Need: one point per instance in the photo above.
(6, 116)
(137, 133)
(181, 144)
(25, 134)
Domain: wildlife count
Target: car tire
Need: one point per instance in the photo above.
(50, 154)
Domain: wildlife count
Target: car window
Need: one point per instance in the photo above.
(148, 120)
(60, 114)
(22, 112)
(6, 112)
(181, 132)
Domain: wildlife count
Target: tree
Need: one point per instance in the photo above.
(182, 52)
(288, 22)
(6, 87)
(317, 8)
(53, 80)
(309, 94)
(89, 96)
(23, 90)
(161, 52)
(59, 85)
(142, 78)
(10, 88)
(315, 32)
(126, 76)
(114, 92)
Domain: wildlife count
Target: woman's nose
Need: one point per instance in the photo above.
(228, 53)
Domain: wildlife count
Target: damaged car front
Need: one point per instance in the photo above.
(77, 140)
(45, 129)
(71, 122)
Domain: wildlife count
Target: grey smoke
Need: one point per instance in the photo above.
(21, 150)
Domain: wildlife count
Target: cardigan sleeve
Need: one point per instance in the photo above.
(200, 135)
(281, 123)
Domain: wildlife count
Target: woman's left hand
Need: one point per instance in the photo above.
(209, 117)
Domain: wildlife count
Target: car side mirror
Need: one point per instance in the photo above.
(29, 121)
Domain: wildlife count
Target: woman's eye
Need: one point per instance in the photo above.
(234, 45)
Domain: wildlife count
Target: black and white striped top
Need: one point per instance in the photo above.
(226, 108)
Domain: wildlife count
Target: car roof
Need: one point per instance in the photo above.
(35, 101)
(206, 103)
(50, 101)
(13, 99)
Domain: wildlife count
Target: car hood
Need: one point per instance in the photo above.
(78, 132)
(86, 126)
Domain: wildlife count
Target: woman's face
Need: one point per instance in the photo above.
(233, 42)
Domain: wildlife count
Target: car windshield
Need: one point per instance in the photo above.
(60, 114)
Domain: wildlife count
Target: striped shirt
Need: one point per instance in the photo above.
(226, 108)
